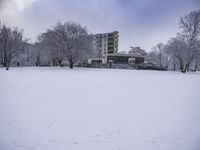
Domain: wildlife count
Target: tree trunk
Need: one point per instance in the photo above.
(187, 67)
(54, 62)
(7, 66)
(5, 62)
(183, 68)
(160, 58)
(71, 65)
(60, 63)
(166, 67)
(195, 68)
(110, 65)
(38, 61)
(174, 67)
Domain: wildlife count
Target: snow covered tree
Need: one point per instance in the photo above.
(152, 57)
(190, 25)
(70, 40)
(11, 44)
(177, 47)
(51, 41)
(160, 55)
(137, 51)
(159, 48)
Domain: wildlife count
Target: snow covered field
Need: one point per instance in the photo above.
(98, 109)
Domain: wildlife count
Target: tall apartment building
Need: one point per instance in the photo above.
(106, 47)
(105, 43)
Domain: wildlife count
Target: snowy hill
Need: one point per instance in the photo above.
(98, 109)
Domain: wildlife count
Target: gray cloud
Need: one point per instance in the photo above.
(140, 23)
(1, 1)
(1, 4)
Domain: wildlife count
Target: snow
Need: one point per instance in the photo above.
(98, 109)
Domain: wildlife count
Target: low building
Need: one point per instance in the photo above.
(124, 58)
(96, 61)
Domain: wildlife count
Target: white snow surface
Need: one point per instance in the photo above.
(98, 109)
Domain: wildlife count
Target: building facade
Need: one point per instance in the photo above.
(105, 43)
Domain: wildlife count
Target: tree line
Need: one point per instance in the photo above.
(64, 41)
(183, 50)
(71, 42)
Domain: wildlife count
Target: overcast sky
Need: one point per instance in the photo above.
(141, 23)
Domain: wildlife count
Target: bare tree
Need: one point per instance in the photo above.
(51, 40)
(11, 44)
(160, 56)
(167, 57)
(74, 40)
(190, 25)
(160, 48)
(177, 47)
(152, 56)
(137, 51)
